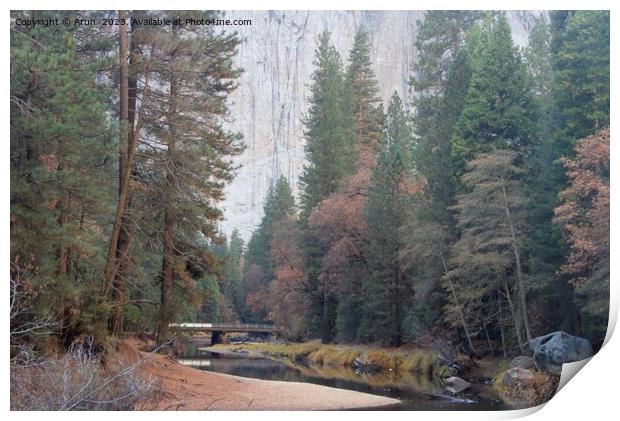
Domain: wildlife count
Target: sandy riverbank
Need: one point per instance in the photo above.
(186, 388)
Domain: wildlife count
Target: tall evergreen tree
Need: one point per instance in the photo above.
(544, 248)
(332, 155)
(233, 272)
(259, 266)
(191, 88)
(487, 259)
(500, 110)
(330, 150)
(387, 289)
(439, 83)
(365, 104)
(440, 36)
(581, 74)
(60, 150)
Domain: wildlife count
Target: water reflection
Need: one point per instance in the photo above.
(417, 391)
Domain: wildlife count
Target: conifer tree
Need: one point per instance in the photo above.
(330, 150)
(439, 84)
(193, 81)
(365, 105)
(487, 258)
(60, 150)
(279, 204)
(387, 289)
(584, 216)
(259, 266)
(440, 37)
(233, 272)
(500, 110)
(580, 63)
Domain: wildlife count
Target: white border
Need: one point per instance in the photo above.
(591, 394)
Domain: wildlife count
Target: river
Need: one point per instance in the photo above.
(416, 391)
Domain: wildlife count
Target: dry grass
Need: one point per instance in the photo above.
(313, 352)
(79, 381)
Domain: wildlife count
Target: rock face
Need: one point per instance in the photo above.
(557, 348)
(268, 106)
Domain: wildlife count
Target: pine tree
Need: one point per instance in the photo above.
(60, 149)
(259, 266)
(328, 131)
(500, 110)
(279, 204)
(332, 157)
(190, 89)
(439, 83)
(440, 37)
(581, 74)
(387, 290)
(365, 105)
(544, 248)
(487, 258)
(233, 272)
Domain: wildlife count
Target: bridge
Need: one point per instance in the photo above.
(217, 329)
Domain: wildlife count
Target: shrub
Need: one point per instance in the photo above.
(78, 381)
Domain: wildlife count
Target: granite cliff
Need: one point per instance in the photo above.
(276, 54)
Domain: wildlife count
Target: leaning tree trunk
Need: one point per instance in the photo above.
(123, 256)
(112, 264)
(517, 255)
(458, 306)
(514, 317)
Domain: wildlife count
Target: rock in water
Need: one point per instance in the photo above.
(557, 348)
(456, 384)
(523, 361)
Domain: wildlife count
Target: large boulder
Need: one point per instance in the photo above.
(557, 348)
(522, 388)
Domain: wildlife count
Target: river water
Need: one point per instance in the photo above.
(416, 391)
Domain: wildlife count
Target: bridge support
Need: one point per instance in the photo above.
(216, 337)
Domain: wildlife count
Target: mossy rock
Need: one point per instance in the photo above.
(522, 388)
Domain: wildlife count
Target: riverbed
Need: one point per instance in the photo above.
(415, 391)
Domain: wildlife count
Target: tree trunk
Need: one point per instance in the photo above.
(123, 51)
(123, 256)
(458, 306)
(63, 250)
(515, 250)
(514, 317)
(112, 265)
(328, 325)
(169, 217)
(500, 320)
(124, 161)
(166, 278)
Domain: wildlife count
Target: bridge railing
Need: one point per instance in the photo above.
(223, 326)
